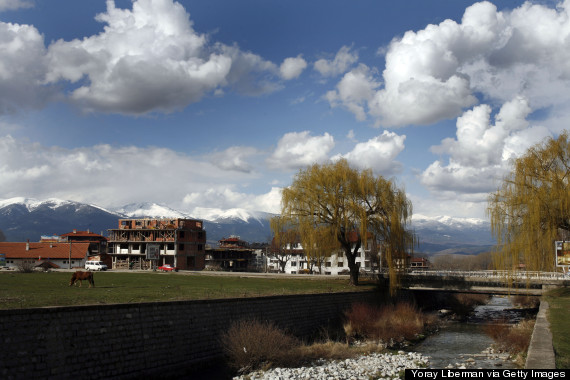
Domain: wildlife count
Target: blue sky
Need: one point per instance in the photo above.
(217, 104)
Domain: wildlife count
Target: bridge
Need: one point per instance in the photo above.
(485, 282)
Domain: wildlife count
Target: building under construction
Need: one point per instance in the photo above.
(150, 243)
(233, 254)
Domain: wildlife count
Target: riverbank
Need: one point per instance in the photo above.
(375, 365)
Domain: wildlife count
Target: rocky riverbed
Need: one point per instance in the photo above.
(375, 365)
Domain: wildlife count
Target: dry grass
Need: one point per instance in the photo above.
(463, 303)
(527, 302)
(513, 339)
(252, 344)
(391, 324)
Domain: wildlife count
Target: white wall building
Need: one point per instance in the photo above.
(335, 264)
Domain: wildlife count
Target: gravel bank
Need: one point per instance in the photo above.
(375, 365)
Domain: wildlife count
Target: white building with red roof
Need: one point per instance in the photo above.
(48, 254)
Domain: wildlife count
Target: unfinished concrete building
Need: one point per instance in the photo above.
(150, 243)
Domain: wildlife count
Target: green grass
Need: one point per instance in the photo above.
(27, 290)
(559, 301)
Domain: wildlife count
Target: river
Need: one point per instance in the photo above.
(465, 343)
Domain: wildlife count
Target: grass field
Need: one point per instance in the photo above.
(559, 301)
(40, 289)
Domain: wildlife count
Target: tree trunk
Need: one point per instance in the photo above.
(350, 256)
(352, 267)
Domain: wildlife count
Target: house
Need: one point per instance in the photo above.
(334, 264)
(97, 244)
(232, 254)
(47, 255)
(150, 243)
(419, 263)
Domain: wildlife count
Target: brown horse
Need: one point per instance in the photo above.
(80, 276)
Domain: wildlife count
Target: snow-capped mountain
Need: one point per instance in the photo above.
(149, 210)
(219, 215)
(453, 235)
(23, 218)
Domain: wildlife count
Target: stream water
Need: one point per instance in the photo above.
(465, 344)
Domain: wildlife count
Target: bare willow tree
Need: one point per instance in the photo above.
(349, 205)
(531, 209)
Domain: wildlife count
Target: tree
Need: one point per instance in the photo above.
(318, 244)
(284, 239)
(349, 205)
(531, 208)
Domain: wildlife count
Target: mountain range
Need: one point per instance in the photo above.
(23, 219)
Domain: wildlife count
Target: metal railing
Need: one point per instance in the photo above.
(493, 274)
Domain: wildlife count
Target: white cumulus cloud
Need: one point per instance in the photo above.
(299, 149)
(106, 175)
(434, 73)
(378, 154)
(22, 68)
(224, 198)
(149, 58)
(291, 68)
(342, 61)
(481, 153)
(354, 91)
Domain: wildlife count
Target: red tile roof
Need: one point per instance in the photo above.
(44, 250)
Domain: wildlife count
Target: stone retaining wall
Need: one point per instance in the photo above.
(131, 340)
(540, 353)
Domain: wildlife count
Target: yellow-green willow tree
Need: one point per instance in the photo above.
(531, 209)
(350, 206)
(318, 243)
(285, 238)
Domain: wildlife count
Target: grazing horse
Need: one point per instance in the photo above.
(80, 276)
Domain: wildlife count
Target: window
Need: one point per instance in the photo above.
(328, 264)
(293, 263)
(170, 246)
(181, 247)
(181, 234)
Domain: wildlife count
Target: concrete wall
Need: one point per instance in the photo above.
(131, 340)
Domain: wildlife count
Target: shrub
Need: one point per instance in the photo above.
(392, 324)
(251, 344)
(360, 320)
(464, 303)
(527, 302)
(498, 330)
(514, 339)
(25, 266)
